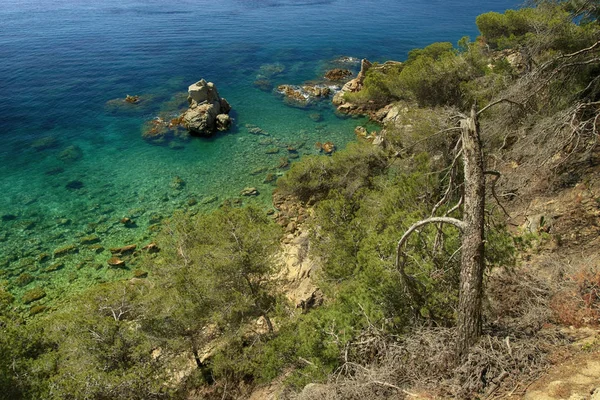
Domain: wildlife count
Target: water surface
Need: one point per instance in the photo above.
(73, 164)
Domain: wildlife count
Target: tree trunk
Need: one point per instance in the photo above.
(199, 363)
(269, 323)
(472, 262)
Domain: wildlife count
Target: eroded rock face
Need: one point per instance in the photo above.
(355, 84)
(208, 112)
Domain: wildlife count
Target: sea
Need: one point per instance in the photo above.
(77, 177)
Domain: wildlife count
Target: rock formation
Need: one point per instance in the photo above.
(208, 112)
(355, 84)
(302, 96)
(337, 74)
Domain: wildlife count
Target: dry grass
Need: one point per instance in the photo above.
(514, 351)
(423, 361)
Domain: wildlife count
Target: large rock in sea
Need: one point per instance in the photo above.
(208, 112)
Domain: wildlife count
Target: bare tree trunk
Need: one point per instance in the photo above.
(472, 262)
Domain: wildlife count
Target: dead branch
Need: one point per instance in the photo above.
(407, 282)
(503, 100)
(442, 220)
(446, 196)
(571, 55)
(456, 206)
(497, 176)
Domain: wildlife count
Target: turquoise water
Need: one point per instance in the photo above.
(72, 160)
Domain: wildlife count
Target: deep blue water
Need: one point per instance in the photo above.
(61, 61)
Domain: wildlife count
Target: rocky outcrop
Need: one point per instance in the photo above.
(338, 74)
(355, 84)
(303, 96)
(208, 112)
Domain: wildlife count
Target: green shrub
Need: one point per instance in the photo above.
(380, 86)
(434, 51)
(432, 76)
(546, 27)
(347, 171)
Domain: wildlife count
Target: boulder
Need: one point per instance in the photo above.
(132, 99)
(249, 191)
(207, 112)
(120, 251)
(115, 262)
(223, 122)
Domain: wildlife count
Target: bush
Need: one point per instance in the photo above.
(432, 76)
(315, 177)
(547, 27)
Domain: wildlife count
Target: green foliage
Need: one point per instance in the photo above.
(380, 86)
(432, 76)
(435, 51)
(346, 171)
(548, 26)
(101, 352)
(24, 369)
(437, 81)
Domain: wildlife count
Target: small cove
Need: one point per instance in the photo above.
(73, 164)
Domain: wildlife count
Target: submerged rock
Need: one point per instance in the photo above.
(120, 251)
(151, 248)
(55, 267)
(264, 84)
(54, 171)
(127, 222)
(338, 74)
(249, 191)
(70, 154)
(25, 279)
(316, 117)
(33, 295)
(45, 143)
(255, 130)
(209, 199)
(207, 111)
(138, 273)
(177, 183)
(116, 262)
(302, 96)
(63, 251)
(74, 185)
(270, 70)
(91, 239)
(38, 309)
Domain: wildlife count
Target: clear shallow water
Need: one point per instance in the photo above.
(61, 61)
